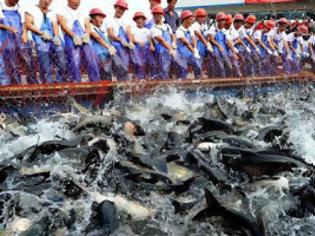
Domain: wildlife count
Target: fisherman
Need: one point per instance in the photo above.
(311, 48)
(221, 66)
(79, 50)
(105, 51)
(15, 44)
(142, 55)
(248, 52)
(280, 39)
(187, 47)
(200, 30)
(267, 48)
(233, 42)
(295, 42)
(42, 22)
(165, 44)
(171, 16)
(120, 34)
(149, 20)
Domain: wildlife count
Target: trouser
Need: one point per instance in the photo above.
(222, 66)
(47, 60)
(286, 63)
(88, 57)
(296, 65)
(22, 55)
(185, 63)
(247, 63)
(236, 68)
(105, 65)
(164, 63)
(4, 80)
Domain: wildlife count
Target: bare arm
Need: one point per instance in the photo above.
(201, 38)
(29, 22)
(129, 34)
(112, 36)
(187, 44)
(63, 24)
(56, 28)
(99, 39)
(250, 41)
(163, 42)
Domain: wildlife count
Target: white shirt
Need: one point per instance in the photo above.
(141, 34)
(311, 40)
(213, 30)
(71, 16)
(291, 37)
(38, 16)
(181, 31)
(196, 27)
(232, 34)
(3, 6)
(115, 24)
(279, 38)
(157, 30)
(257, 35)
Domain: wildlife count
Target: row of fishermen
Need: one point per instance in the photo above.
(232, 47)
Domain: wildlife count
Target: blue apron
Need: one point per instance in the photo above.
(77, 53)
(149, 24)
(220, 37)
(122, 51)
(164, 58)
(201, 47)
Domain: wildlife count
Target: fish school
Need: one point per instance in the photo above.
(181, 41)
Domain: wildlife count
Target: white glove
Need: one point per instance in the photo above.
(275, 53)
(236, 50)
(57, 41)
(131, 46)
(77, 40)
(209, 47)
(45, 36)
(86, 38)
(174, 46)
(172, 52)
(298, 55)
(269, 52)
(248, 50)
(289, 57)
(196, 54)
(306, 54)
(257, 50)
(124, 43)
(112, 51)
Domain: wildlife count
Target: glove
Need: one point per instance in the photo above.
(172, 52)
(289, 57)
(45, 36)
(306, 54)
(248, 50)
(77, 40)
(57, 41)
(236, 50)
(269, 52)
(112, 51)
(209, 47)
(86, 38)
(298, 55)
(124, 43)
(196, 54)
(275, 53)
(131, 46)
(174, 46)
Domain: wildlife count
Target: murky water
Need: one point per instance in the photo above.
(194, 165)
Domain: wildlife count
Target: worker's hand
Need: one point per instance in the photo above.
(209, 48)
(45, 36)
(11, 29)
(236, 51)
(57, 41)
(306, 54)
(196, 54)
(112, 51)
(124, 43)
(298, 55)
(86, 38)
(174, 46)
(131, 46)
(152, 48)
(24, 38)
(172, 52)
(269, 52)
(77, 40)
(248, 50)
(289, 57)
(257, 50)
(235, 57)
(275, 53)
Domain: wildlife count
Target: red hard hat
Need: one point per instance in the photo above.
(186, 14)
(303, 29)
(228, 19)
(97, 11)
(283, 21)
(139, 14)
(269, 24)
(158, 10)
(239, 17)
(122, 4)
(220, 16)
(200, 12)
(251, 19)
